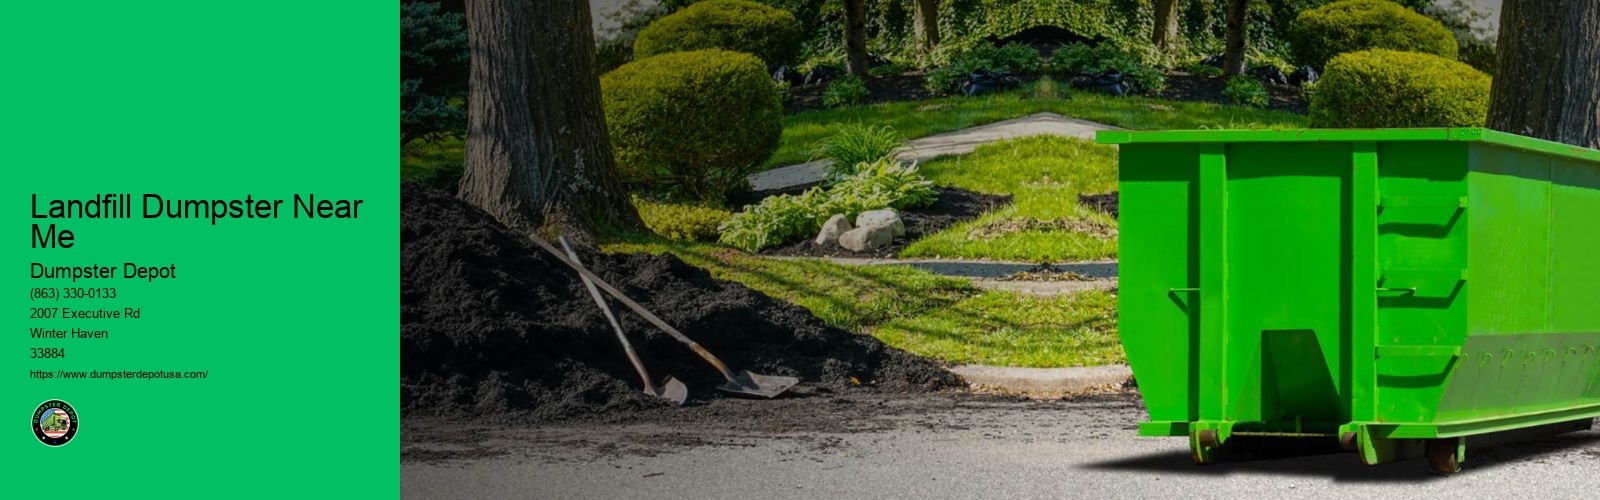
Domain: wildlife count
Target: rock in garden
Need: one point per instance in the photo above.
(1109, 81)
(1269, 74)
(862, 239)
(1302, 76)
(785, 74)
(836, 225)
(822, 73)
(882, 218)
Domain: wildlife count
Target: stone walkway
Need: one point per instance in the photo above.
(989, 274)
(949, 143)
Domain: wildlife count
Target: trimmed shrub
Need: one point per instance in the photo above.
(771, 34)
(1386, 88)
(855, 144)
(783, 218)
(1246, 91)
(1320, 34)
(1013, 58)
(683, 222)
(692, 123)
(845, 91)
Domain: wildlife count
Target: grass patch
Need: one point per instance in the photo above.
(920, 312)
(913, 119)
(1044, 222)
(419, 159)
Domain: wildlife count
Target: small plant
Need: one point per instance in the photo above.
(1011, 58)
(856, 144)
(1201, 69)
(1246, 91)
(681, 222)
(844, 91)
(777, 219)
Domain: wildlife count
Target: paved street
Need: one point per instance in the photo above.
(935, 447)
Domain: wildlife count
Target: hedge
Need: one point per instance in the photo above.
(771, 34)
(1319, 34)
(692, 123)
(1392, 89)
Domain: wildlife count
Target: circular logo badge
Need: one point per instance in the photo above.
(55, 422)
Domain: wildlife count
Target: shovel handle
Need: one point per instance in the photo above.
(634, 306)
(611, 316)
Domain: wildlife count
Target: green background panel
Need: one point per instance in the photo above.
(295, 318)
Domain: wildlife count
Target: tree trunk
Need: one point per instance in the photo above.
(1547, 81)
(1166, 32)
(1237, 30)
(538, 154)
(925, 30)
(855, 37)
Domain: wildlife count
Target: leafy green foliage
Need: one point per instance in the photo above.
(1246, 91)
(844, 91)
(1350, 25)
(1386, 88)
(782, 218)
(1014, 58)
(773, 35)
(681, 222)
(1078, 57)
(433, 72)
(858, 143)
(692, 123)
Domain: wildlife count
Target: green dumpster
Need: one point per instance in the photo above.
(1400, 290)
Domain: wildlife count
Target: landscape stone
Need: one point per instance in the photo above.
(862, 239)
(884, 218)
(836, 225)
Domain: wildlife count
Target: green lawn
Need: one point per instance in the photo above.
(913, 119)
(1044, 222)
(925, 314)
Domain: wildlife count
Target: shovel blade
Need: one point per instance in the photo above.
(671, 390)
(756, 385)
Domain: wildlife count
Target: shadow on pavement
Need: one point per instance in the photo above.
(1347, 467)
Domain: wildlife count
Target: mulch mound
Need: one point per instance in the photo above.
(953, 206)
(906, 87)
(491, 327)
(1105, 203)
(1183, 86)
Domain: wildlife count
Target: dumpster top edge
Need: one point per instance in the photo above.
(1347, 135)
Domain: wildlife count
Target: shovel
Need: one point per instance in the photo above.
(741, 383)
(670, 389)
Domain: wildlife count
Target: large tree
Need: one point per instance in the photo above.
(1237, 29)
(855, 37)
(925, 28)
(1166, 30)
(1547, 76)
(538, 156)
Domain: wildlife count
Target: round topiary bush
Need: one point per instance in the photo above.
(771, 34)
(1350, 25)
(692, 123)
(1387, 88)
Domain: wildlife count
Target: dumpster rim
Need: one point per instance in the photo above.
(1348, 135)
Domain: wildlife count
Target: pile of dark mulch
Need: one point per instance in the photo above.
(906, 87)
(1105, 203)
(1184, 86)
(492, 327)
(952, 207)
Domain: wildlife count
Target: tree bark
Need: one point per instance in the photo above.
(1166, 31)
(1237, 30)
(538, 154)
(855, 37)
(925, 29)
(1547, 77)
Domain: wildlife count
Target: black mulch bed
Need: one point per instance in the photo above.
(1183, 86)
(493, 328)
(906, 87)
(952, 207)
(1103, 202)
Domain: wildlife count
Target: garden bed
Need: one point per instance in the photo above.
(952, 207)
(906, 87)
(491, 327)
(1183, 86)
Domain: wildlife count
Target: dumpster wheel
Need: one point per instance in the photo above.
(1444, 456)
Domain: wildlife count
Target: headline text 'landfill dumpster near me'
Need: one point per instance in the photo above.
(1407, 292)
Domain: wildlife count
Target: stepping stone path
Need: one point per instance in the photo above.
(949, 143)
